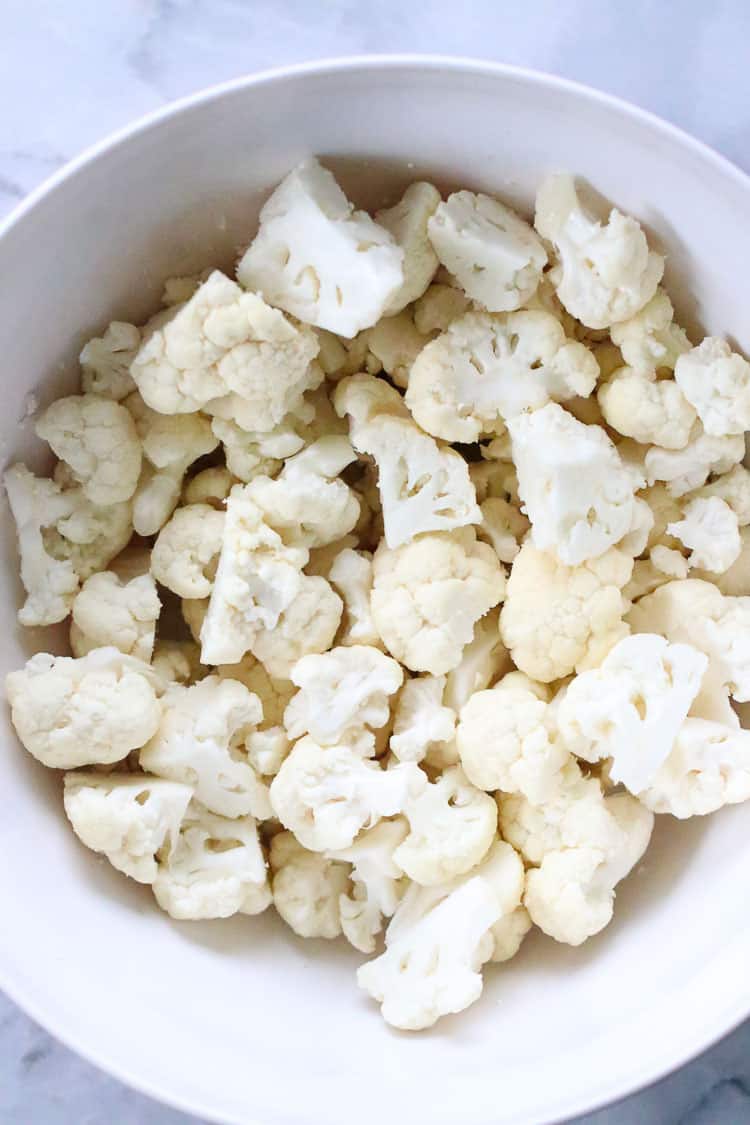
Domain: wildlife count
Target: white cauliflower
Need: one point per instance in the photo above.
(318, 258)
(171, 443)
(508, 933)
(327, 794)
(107, 611)
(438, 307)
(558, 619)
(494, 255)
(505, 741)
(201, 741)
(736, 580)
(222, 342)
(251, 453)
(686, 469)
(216, 869)
(651, 341)
(130, 819)
(257, 578)
(307, 504)
(209, 486)
(341, 692)
(606, 273)
(486, 369)
(716, 381)
(438, 940)
(451, 827)
(307, 625)
(98, 441)
(710, 531)
(421, 722)
(631, 709)
(428, 594)
(268, 745)
(669, 562)
(503, 526)
(396, 343)
(407, 222)
(177, 660)
(423, 486)
(570, 896)
(693, 612)
(351, 575)
(483, 660)
(378, 882)
(105, 361)
(307, 887)
(650, 410)
(90, 711)
(575, 488)
(708, 767)
(187, 549)
(734, 488)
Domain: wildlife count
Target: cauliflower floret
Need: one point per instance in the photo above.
(707, 768)
(650, 340)
(250, 453)
(503, 526)
(575, 488)
(505, 742)
(669, 562)
(451, 827)
(257, 578)
(90, 711)
(194, 612)
(327, 794)
(209, 486)
(483, 661)
(307, 625)
(736, 580)
(171, 443)
(307, 504)
(570, 896)
(423, 486)
(396, 343)
(318, 258)
(128, 819)
(109, 612)
(606, 273)
(98, 441)
(307, 888)
(686, 469)
(494, 255)
(693, 612)
(378, 882)
(351, 575)
(216, 869)
(631, 708)
(222, 342)
(186, 551)
(428, 594)
(438, 307)
(486, 369)
(716, 381)
(50, 583)
(268, 745)
(105, 361)
(421, 721)
(438, 940)
(178, 661)
(635, 542)
(340, 692)
(710, 531)
(407, 222)
(509, 932)
(734, 488)
(559, 619)
(653, 411)
(201, 741)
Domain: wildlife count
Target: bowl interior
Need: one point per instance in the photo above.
(240, 1020)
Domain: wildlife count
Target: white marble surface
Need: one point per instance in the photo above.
(72, 71)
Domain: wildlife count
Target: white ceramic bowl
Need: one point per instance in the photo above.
(238, 1021)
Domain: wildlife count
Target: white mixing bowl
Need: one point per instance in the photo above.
(237, 1020)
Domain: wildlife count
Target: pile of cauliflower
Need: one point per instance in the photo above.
(407, 577)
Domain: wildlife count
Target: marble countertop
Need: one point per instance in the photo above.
(70, 73)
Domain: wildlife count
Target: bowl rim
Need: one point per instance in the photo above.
(675, 1054)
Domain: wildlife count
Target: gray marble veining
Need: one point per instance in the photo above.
(71, 73)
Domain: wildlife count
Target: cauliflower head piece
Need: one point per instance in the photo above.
(307, 887)
(407, 222)
(707, 767)
(105, 361)
(716, 381)
(422, 723)
(108, 612)
(186, 551)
